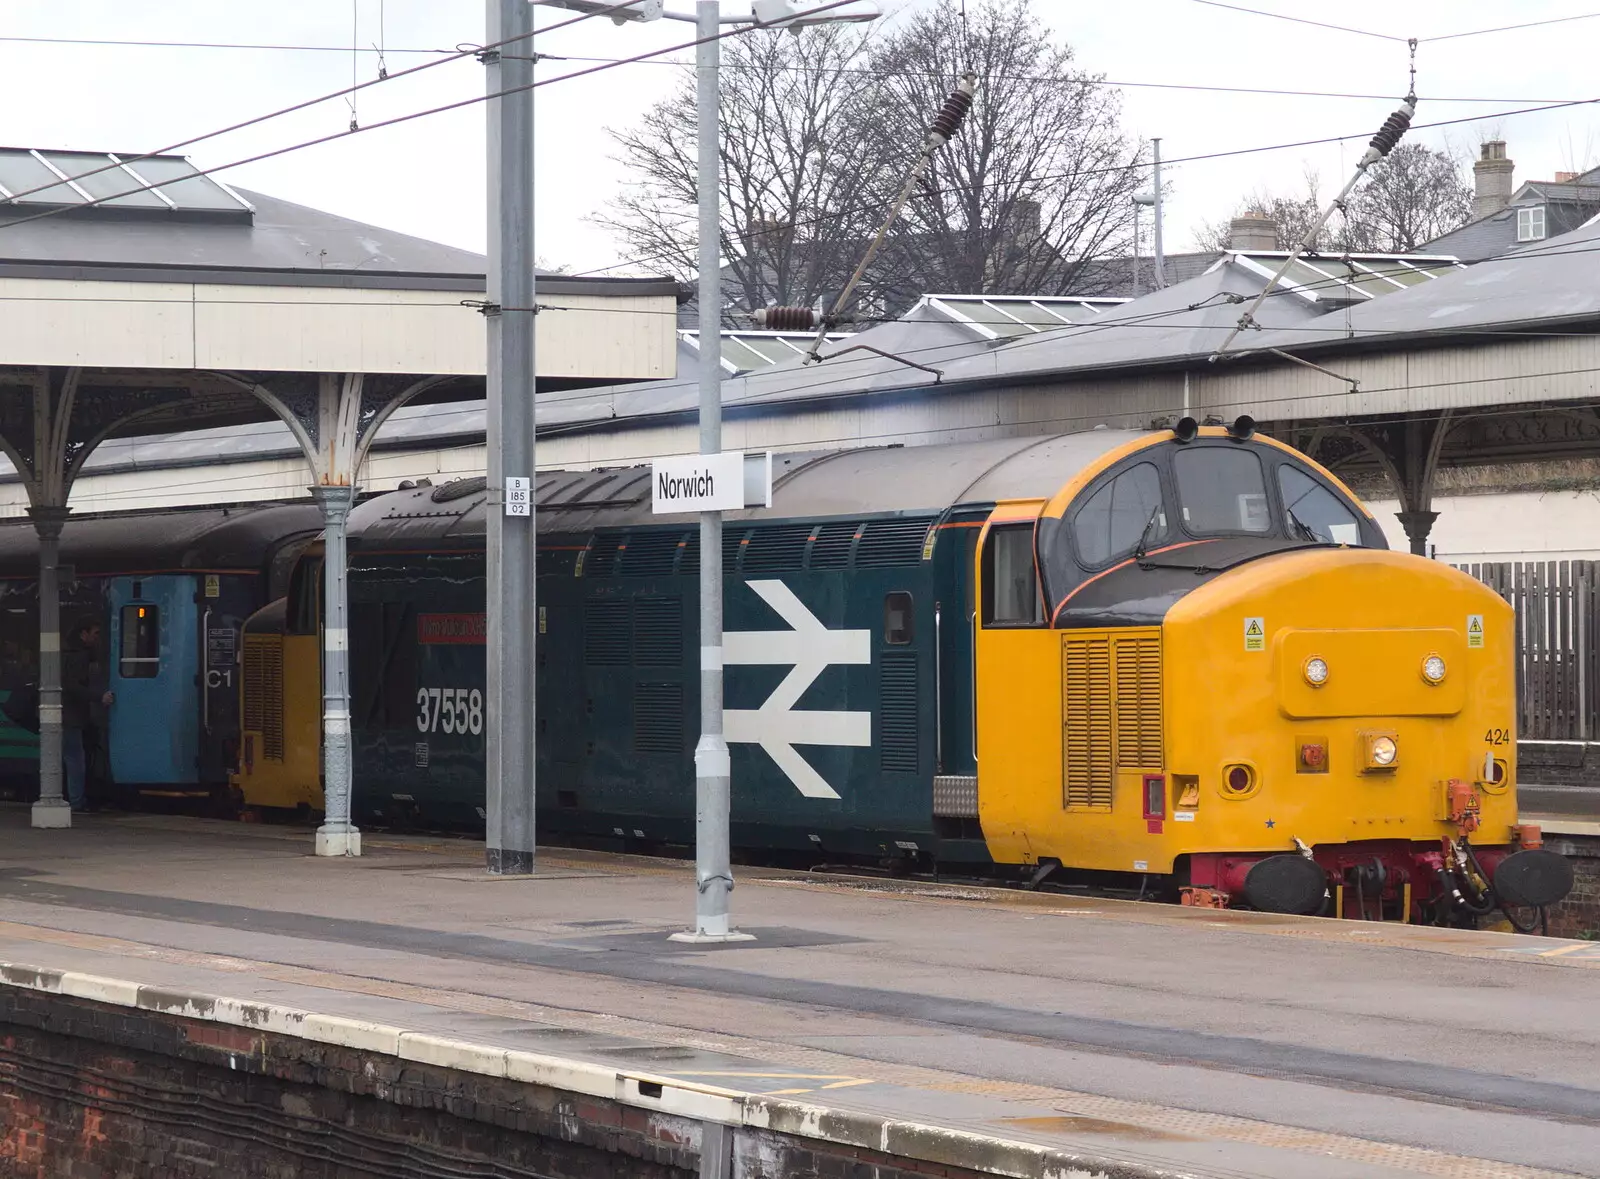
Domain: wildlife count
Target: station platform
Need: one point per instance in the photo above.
(984, 1031)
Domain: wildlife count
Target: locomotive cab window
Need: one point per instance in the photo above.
(1010, 587)
(897, 624)
(140, 655)
(1120, 517)
(1222, 490)
(1315, 513)
(304, 608)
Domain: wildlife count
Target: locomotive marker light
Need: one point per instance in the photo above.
(1433, 670)
(1316, 671)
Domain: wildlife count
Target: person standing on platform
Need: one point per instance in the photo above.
(83, 691)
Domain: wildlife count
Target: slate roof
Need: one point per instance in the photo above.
(1568, 204)
(279, 243)
(1549, 284)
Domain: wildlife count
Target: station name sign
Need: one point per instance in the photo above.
(710, 482)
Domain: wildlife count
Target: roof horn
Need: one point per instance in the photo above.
(1243, 428)
(1186, 430)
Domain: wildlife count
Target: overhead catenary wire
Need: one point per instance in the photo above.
(1301, 20)
(456, 55)
(820, 219)
(1035, 79)
(736, 31)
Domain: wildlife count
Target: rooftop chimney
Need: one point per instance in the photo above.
(1491, 176)
(1566, 177)
(1253, 231)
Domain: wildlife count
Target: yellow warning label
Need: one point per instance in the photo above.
(1255, 634)
(213, 586)
(1474, 630)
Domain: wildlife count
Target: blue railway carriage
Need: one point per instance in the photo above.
(171, 591)
(849, 678)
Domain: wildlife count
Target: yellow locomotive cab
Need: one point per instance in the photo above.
(280, 754)
(1226, 681)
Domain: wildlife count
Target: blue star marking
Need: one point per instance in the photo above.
(1271, 824)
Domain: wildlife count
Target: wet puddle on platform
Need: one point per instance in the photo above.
(1078, 1124)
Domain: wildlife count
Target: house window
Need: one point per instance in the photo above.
(1530, 224)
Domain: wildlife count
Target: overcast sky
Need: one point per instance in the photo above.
(425, 177)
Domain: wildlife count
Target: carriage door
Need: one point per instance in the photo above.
(154, 725)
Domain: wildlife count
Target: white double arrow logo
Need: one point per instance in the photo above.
(809, 647)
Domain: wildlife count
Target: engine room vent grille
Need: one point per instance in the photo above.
(658, 718)
(1087, 723)
(650, 553)
(601, 559)
(732, 536)
(897, 713)
(780, 548)
(657, 632)
(263, 693)
(607, 633)
(1138, 702)
(831, 549)
(892, 542)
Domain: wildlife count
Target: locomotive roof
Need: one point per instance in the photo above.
(148, 542)
(856, 482)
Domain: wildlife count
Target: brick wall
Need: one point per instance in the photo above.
(1551, 763)
(1579, 914)
(97, 1091)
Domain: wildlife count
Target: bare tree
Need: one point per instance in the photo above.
(798, 174)
(1037, 187)
(1292, 215)
(1414, 196)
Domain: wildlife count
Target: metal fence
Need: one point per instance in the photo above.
(1558, 618)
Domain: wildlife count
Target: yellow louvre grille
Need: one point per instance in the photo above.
(1138, 702)
(1086, 684)
(263, 692)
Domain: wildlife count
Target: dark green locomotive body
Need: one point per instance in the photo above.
(835, 757)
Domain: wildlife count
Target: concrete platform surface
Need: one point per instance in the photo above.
(1209, 1044)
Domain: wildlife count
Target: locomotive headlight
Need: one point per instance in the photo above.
(1433, 669)
(1316, 671)
(1380, 750)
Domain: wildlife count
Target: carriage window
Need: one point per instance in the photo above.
(1010, 590)
(897, 625)
(1315, 513)
(140, 656)
(1222, 490)
(1116, 518)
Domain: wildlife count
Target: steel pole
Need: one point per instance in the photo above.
(509, 708)
(337, 836)
(712, 776)
(52, 809)
(1161, 264)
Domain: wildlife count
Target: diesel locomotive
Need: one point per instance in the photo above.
(171, 591)
(1182, 660)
